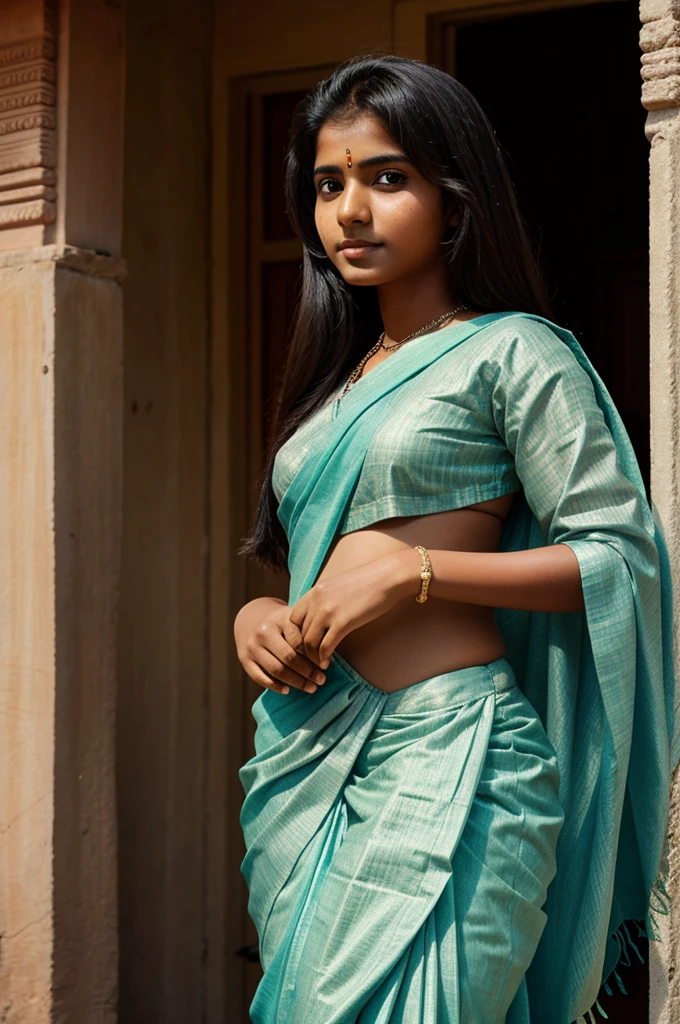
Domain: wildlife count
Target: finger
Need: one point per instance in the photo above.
(297, 662)
(328, 645)
(307, 663)
(298, 611)
(314, 634)
(310, 652)
(314, 656)
(268, 648)
(255, 673)
(277, 669)
(293, 636)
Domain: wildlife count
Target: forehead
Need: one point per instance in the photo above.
(365, 132)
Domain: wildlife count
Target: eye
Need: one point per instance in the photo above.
(325, 181)
(400, 177)
(321, 190)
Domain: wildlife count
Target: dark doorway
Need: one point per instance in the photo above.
(562, 89)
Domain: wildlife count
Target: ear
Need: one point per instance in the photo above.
(452, 214)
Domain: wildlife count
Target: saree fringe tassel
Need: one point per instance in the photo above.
(659, 903)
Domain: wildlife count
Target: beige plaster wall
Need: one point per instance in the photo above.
(60, 514)
(27, 639)
(60, 469)
(266, 36)
(88, 371)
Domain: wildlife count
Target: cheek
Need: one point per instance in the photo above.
(413, 212)
(322, 219)
(411, 225)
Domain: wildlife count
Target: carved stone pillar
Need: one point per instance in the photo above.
(28, 120)
(61, 93)
(660, 43)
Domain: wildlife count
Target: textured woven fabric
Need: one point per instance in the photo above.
(475, 410)
(439, 448)
(402, 877)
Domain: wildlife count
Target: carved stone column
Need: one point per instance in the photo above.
(61, 94)
(660, 43)
(28, 117)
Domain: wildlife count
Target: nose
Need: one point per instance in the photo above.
(353, 206)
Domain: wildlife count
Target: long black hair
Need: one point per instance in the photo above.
(492, 265)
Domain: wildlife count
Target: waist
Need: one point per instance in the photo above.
(442, 690)
(415, 641)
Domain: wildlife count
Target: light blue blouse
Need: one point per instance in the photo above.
(439, 450)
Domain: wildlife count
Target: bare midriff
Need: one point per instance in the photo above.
(413, 641)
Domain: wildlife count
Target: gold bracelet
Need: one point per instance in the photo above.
(425, 575)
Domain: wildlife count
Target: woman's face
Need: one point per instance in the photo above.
(381, 199)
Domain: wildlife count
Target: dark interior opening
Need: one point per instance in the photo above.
(562, 90)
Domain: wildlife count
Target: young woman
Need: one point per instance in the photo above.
(460, 790)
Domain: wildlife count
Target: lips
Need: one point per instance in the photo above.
(354, 248)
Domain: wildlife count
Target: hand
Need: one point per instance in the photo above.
(269, 647)
(338, 604)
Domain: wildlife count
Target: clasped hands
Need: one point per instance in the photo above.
(338, 604)
(289, 645)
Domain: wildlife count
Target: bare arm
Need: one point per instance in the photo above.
(545, 579)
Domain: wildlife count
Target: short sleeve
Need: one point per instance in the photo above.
(546, 410)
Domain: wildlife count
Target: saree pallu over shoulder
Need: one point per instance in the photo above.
(602, 681)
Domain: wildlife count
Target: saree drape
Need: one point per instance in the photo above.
(600, 682)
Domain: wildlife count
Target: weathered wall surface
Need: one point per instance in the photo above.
(27, 638)
(60, 477)
(660, 43)
(60, 506)
(87, 521)
(256, 37)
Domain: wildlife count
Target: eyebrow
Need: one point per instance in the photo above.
(382, 158)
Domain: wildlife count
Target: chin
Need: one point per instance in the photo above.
(365, 275)
(366, 279)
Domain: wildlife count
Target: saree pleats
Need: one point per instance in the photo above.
(403, 878)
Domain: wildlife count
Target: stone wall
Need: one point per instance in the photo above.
(660, 44)
(61, 333)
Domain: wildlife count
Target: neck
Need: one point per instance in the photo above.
(409, 304)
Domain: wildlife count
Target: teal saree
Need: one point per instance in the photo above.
(476, 843)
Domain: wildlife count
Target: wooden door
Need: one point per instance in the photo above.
(267, 258)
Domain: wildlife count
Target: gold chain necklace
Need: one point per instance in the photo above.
(356, 372)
